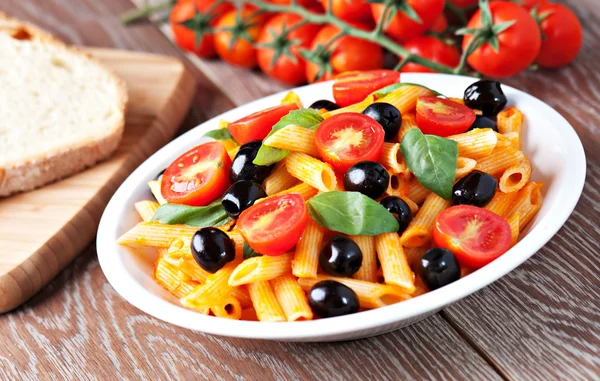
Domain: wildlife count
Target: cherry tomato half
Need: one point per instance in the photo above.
(354, 87)
(346, 139)
(198, 176)
(475, 235)
(433, 49)
(562, 36)
(443, 117)
(274, 226)
(258, 125)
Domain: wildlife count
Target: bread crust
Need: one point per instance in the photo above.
(33, 172)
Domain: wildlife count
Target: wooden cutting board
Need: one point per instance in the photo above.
(42, 231)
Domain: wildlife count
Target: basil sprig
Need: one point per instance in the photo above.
(351, 213)
(219, 134)
(306, 117)
(249, 252)
(432, 159)
(395, 86)
(198, 216)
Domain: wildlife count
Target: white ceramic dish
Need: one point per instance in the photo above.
(549, 141)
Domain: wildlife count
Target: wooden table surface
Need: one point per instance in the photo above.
(541, 322)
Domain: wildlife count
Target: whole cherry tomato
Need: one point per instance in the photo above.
(358, 11)
(529, 4)
(402, 27)
(440, 24)
(519, 44)
(195, 14)
(433, 49)
(285, 68)
(562, 36)
(242, 52)
(464, 3)
(347, 54)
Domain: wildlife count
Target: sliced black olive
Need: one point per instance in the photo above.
(212, 249)
(240, 196)
(160, 175)
(388, 116)
(483, 122)
(242, 167)
(324, 104)
(368, 178)
(486, 96)
(399, 209)
(330, 298)
(439, 268)
(341, 256)
(477, 189)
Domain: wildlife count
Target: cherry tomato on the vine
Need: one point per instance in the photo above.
(402, 27)
(347, 53)
(463, 3)
(528, 4)
(519, 44)
(285, 68)
(309, 4)
(358, 11)
(242, 52)
(353, 87)
(195, 14)
(440, 24)
(562, 36)
(433, 49)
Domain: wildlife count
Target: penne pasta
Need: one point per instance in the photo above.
(306, 191)
(228, 308)
(291, 298)
(233, 151)
(154, 186)
(167, 276)
(146, 209)
(398, 185)
(414, 255)
(408, 122)
(417, 192)
(368, 268)
(457, 100)
(420, 287)
(527, 203)
(464, 166)
(513, 139)
(292, 98)
(510, 120)
(279, 179)
(392, 159)
(515, 177)
(420, 229)
(502, 203)
(414, 208)
(370, 295)
(306, 258)
(213, 290)
(476, 144)
(393, 261)
(513, 221)
(156, 234)
(311, 171)
(260, 268)
(265, 303)
(499, 160)
(293, 138)
(357, 107)
(405, 98)
(249, 314)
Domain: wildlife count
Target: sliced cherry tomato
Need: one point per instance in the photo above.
(475, 235)
(258, 125)
(354, 87)
(198, 176)
(443, 117)
(562, 36)
(274, 226)
(401, 27)
(346, 139)
(241, 52)
(350, 10)
(433, 49)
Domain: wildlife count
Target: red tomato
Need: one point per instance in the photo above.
(285, 69)
(347, 54)
(464, 3)
(185, 37)
(308, 4)
(242, 53)
(258, 125)
(274, 226)
(354, 87)
(346, 139)
(402, 27)
(519, 44)
(562, 33)
(443, 117)
(475, 235)
(433, 49)
(198, 176)
(440, 24)
(529, 4)
(358, 11)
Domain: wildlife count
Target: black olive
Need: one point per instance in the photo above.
(477, 189)
(400, 209)
(486, 96)
(242, 167)
(160, 175)
(368, 178)
(324, 104)
(483, 122)
(212, 249)
(439, 268)
(240, 196)
(329, 298)
(388, 116)
(341, 256)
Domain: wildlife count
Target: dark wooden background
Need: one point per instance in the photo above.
(541, 322)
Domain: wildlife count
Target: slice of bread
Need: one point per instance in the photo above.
(60, 110)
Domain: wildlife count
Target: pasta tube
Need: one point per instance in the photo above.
(393, 261)
(392, 159)
(156, 234)
(306, 191)
(477, 143)
(154, 186)
(515, 177)
(146, 209)
(357, 107)
(260, 268)
(265, 303)
(306, 258)
(513, 221)
(417, 192)
(408, 122)
(510, 120)
(228, 308)
(293, 138)
(398, 185)
(499, 160)
(420, 229)
(279, 179)
(501, 203)
(213, 290)
(405, 98)
(368, 268)
(312, 171)
(464, 166)
(527, 203)
(167, 276)
(291, 298)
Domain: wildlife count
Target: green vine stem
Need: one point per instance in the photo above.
(145, 11)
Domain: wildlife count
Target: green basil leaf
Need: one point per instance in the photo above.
(249, 252)
(219, 134)
(351, 213)
(305, 117)
(432, 159)
(198, 216)
(395, 86)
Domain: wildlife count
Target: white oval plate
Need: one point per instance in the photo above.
(549, 141)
